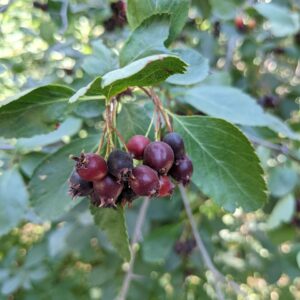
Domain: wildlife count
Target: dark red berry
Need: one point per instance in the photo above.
(182, 170)
(107, 191)
(144, 181)
(79, 187)
(90, 166)
(166, 187)
(41, 6)
(240, 25)
(269, 101)
(120, 164)
(137, 144)
(175, 141)
(159, 156)
(185, 248)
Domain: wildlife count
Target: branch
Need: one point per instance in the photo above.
(136, 238)
(64, 16)
(219, 277)
(230, 52)
(5, 7)
(278, 148)
(6, 147)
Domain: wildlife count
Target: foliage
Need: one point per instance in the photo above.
(228, 77)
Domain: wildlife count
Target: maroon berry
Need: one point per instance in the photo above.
(166, 187)
(79, 187)
(182, 170)
(175, 141)
(90, 166)
(268, 101)
(159, 156)
(127, 196)
(107, 191)
(120, 164)
(144, 181)
(136, 146)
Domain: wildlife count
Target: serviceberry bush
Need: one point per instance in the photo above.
(149, 149)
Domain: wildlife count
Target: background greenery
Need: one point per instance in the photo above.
(249, 76)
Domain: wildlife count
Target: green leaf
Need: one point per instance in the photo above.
(226, 166)
(13, 200)
(282, 181)
(197, 70)
(282, 212)
(112, 222)
(282, 21)
(159, 243)
(67, 129)
(102, 60)
(132, 120)
(234, 106)
(139, 10)
(35, 111)
(225, 10)
(147, 39)
(49, 187)
(147, 71)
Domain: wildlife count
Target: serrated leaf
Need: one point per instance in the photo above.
(197, 70)
(48, 185)
(112, 222)
(233, 105)
(35, 111)
(282, 212)
(139, 10)
(282, 21)
(13, 200)
(147, 39)
(226, 167)
(147, 71)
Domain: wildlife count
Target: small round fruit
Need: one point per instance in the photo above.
(166, 187)
(175, 141)
(144, 181)
(90, 166)
(120, 164)
(136, 146)
(159, 156)
(107, 191)
(79, 187)
(239, 24)
(182, 170)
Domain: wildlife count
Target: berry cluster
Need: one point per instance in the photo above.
(122, 177)
(118, 18)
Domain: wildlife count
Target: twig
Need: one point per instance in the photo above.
(64, 16)
(229, 53)
(6, 147)
(5, 7)
(136, 238)
(219, 277)
(278, 148)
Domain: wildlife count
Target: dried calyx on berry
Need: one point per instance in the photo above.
(144, 181)
(127, 196)
(79, 187)
(90, 166)
(166, 187)
(182, 170)
(120, 164)
(106, 192)
(159, 156)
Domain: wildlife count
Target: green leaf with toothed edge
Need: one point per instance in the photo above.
(112, 222)
(226, 167)
(48, 185)
(147, 71)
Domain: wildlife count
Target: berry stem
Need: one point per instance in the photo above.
(101, 142)
(137, 236)
(218, 276)
(150, 125)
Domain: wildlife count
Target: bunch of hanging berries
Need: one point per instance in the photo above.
(145, 169)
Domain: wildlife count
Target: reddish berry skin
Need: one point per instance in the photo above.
(107, 190)
(166, 187)
(120, 164)
(90, 166)
(136, 146)
(159, 156)
(175, 141)
(144, 181)
(79, 187)
(239, 24)
(182, 170)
